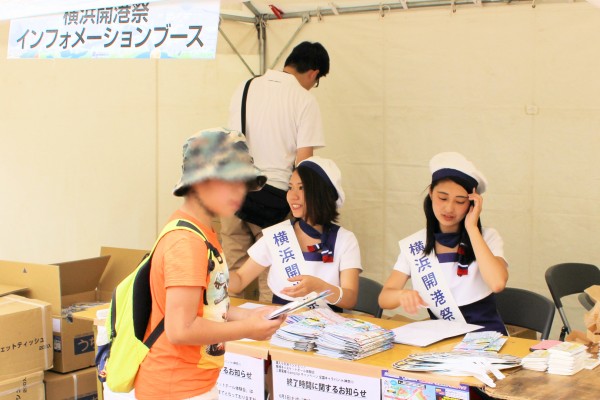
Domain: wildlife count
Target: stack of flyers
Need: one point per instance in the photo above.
(326, 315)
(302, 329)
(567, 358)
(460, 363)
(481, 341)
(354, 339)
(591, 362)
(300, 335)
(536, 360)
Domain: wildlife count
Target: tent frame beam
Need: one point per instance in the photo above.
(260, 20)
(260, 23)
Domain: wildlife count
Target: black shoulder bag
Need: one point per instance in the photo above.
(269, 205)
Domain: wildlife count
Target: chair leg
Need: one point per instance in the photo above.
(563, 333)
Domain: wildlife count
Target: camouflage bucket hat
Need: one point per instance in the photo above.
(218, 153)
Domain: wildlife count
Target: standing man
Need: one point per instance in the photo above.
(282, 126)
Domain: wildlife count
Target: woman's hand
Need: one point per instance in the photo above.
(410, 301)
(306, 284)
(474, 211)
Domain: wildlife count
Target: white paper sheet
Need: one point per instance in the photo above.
(424, 333)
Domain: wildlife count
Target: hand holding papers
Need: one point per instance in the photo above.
(295, 305)
(424, 333)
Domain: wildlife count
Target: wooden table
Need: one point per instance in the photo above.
(533, 385)
(372, 366)
(520, 384)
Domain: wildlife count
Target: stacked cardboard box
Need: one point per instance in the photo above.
(65, 284)
(27, 387)
(69, 342)
(592, 317)
(25, 339)
(62, 285)
(25, 347)
(80, 385)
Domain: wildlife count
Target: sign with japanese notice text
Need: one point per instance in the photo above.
(299, 382)
(169, 29)
(242, 377)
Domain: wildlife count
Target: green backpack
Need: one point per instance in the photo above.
(118, 361)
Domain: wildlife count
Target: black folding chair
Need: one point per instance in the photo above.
(527, 309)
(368, 297)
(567, 279)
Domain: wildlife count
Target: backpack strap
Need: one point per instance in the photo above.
(244, 99)
(179, 224)
(211, 248)
(212, 251)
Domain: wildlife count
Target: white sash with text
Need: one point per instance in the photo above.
(428, 280)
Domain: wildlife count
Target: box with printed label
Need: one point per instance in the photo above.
(80, 385)
(25, 336)
(25, 387)
(65, 286)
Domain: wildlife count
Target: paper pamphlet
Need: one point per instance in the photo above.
(295, 305)
(459, 363)
(545, 345)
(424, 333)
(482, 341)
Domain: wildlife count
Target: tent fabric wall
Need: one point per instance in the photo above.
(91, 148)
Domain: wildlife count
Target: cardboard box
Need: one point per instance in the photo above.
(25, 336)
(122, 262)
(74, 339)
(26, 387)
(592, 317)
(65, 284)
(80, 385)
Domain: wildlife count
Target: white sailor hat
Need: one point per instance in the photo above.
(330, 172)
(452, 164)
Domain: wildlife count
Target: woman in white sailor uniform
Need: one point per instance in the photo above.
(309, 253)
(454, 264)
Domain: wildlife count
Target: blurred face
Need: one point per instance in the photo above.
(450, 205)
(295, 196)
(222, 198)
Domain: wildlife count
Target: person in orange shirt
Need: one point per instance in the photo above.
(189, 283)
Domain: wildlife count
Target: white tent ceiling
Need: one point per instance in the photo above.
(10, 9)
(296, 8)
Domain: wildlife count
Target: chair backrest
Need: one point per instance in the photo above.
(368, 297)
(567, 279)
(570, 278)
(527, 309)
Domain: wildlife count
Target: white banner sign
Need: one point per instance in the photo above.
(11, 9)
(181, 29)
(242, 377)
(293, 381)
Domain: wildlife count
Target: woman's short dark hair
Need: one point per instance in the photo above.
(433, 225)
(319, 197)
